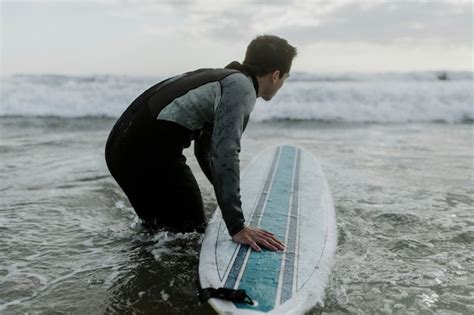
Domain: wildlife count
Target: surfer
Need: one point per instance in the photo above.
(144, 151)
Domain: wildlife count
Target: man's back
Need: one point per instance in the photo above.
(212, 107)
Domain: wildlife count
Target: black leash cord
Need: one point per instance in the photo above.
(225, 294)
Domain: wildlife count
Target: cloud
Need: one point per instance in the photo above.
(228, 20)
(388, 23)
(307, 21)
(165, 36)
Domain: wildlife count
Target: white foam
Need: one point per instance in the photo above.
(164, 296)
(120, 205)
(371, 101)
(383, 97)
(168, 243)
(88, 243)
(69, 96)
(430, 299)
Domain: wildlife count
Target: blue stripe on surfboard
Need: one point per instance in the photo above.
(239, 260)
(261, 274)
(288, 274)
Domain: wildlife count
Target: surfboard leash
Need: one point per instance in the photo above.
(232, 295)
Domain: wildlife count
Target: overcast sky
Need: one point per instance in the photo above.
(167, 37)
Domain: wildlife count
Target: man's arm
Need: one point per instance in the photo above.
(231, 117)
(236, 103)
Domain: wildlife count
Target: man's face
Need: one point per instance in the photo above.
(273, 82)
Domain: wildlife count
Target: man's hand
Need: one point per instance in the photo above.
(254, 236)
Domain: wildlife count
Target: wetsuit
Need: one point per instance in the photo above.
(144, 151)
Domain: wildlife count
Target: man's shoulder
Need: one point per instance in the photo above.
(238, 81)
(214, 73)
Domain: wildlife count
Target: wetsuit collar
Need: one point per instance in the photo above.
(246, 70)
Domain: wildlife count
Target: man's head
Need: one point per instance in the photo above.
(269, 57)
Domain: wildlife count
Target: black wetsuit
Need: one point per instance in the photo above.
(144, 152)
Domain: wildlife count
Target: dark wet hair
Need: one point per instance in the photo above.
(268, 53)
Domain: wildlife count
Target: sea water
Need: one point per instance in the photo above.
(397, 149)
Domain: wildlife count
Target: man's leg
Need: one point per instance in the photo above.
(156, 179)
(168, 197)
(185, 200)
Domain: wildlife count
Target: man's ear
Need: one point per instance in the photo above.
(275, 75)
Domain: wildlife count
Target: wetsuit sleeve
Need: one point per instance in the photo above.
(202, 148)
(231, 116)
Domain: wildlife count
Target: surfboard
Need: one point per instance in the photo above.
(284, 191)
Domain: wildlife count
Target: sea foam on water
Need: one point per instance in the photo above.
(378, 98)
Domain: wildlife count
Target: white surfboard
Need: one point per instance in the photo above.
(283, 191)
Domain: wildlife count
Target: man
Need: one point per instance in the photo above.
(144, 152)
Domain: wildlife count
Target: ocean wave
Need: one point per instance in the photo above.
(377, 98)
(440, 75)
